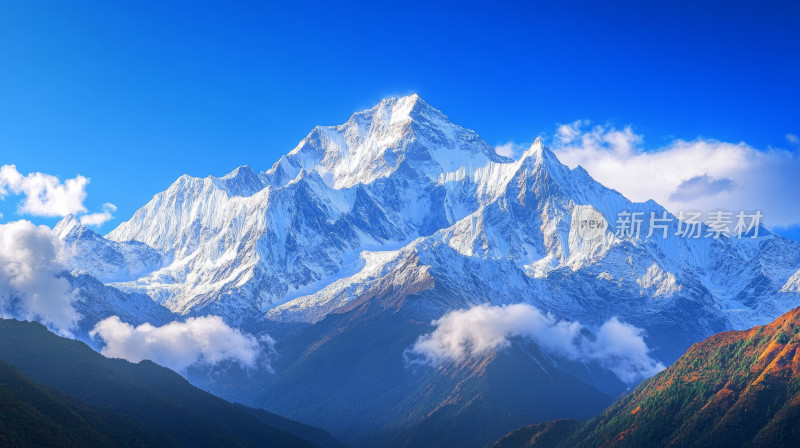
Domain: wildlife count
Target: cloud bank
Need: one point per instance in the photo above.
(29, 288)
(702, 174)
(178, 345)
(483, 329)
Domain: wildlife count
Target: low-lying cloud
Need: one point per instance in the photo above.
(199, 340)
(617, 346)
(29, 287)
(620, 347)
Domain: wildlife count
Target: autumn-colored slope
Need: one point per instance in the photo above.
(738, 388)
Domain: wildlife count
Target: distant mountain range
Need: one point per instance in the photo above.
(59, 392)
(350, 246)
(735, 389)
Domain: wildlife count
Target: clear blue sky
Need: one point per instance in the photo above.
(135, 93)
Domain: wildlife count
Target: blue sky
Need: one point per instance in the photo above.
(132, 94)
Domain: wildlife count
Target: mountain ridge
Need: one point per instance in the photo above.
(739, 388)
(145, 394)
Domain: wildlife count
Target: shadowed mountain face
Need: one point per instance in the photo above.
(351, 367)
(92, 400)
(739, 388)
(34, 415)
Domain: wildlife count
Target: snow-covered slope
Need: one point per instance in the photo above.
(398, 195)
(108, 261)
(96, 301)
(526, 246)
(389, 175)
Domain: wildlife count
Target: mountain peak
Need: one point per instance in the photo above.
(243, 170)
(374, 143)
(394, 110)
(69, 225)
(407, 101)
(540, 154)
(242, 181)
(535, 150)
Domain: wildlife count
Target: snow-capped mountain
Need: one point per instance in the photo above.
(525, 246)
(353, 242)
(400, 185)
(403, 171)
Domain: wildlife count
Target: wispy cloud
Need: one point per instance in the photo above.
(483, 329)
(178, 345)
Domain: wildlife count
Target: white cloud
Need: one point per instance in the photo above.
(701, 174)
(483, 329)
(98, 219)
(620, 347)
(792, 138)
(29, 288)
(45, 194)
(506, 149)
(178, 345)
